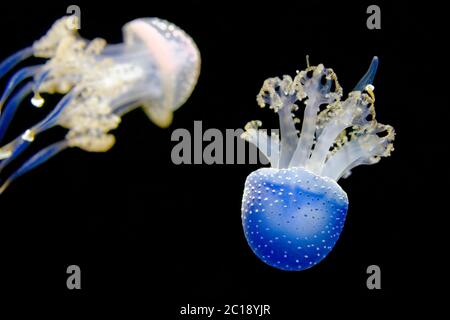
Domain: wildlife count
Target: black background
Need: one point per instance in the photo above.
(160, 235)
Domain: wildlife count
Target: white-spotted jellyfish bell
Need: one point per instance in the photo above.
(156, 68)
(294, 211)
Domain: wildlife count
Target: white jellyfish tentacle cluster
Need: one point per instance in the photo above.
(156, 68)
(293, 212)
(323, 146)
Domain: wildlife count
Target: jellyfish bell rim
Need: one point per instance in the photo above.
(147, 31)
(333, 183)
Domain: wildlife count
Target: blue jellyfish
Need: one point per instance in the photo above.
(156, 68)
(294, 211)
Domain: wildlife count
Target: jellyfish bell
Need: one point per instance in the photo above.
(156, 68)
(177, 60)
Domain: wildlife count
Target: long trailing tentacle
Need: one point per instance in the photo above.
(13, 149)
(52, 118)
(36, 160)
(11, 107)
(15, 80)
(14, 59)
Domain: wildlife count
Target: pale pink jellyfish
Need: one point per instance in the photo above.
(156, 67)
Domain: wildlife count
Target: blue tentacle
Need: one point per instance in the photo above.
(36, 160)
(14, 59)
(11, 107)
(15, 80)
(369, 76)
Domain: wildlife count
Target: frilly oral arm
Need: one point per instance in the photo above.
(269, 146)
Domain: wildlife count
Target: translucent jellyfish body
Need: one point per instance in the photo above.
(294, 211)
(156, 67)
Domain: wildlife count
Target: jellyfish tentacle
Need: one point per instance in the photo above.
(281, 95)
(318, 93)
(335, 140)
(48, 44)
(365, 147)
(37, 100)
(321, 149)
(52, 118)
(269, 146)
(289, 136)
(36, 160)
(45, 47)
(71, 61)
(15, 80)
(11, 107)
(9, 63)
(337, 117)
(126, 107)
(369, 76)
(12, 150)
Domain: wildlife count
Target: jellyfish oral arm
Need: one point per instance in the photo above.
(323, 133)
(269, 146)
(307, 134)
(368, 148)
(288, 134)
(317, 94)
(280, 95)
